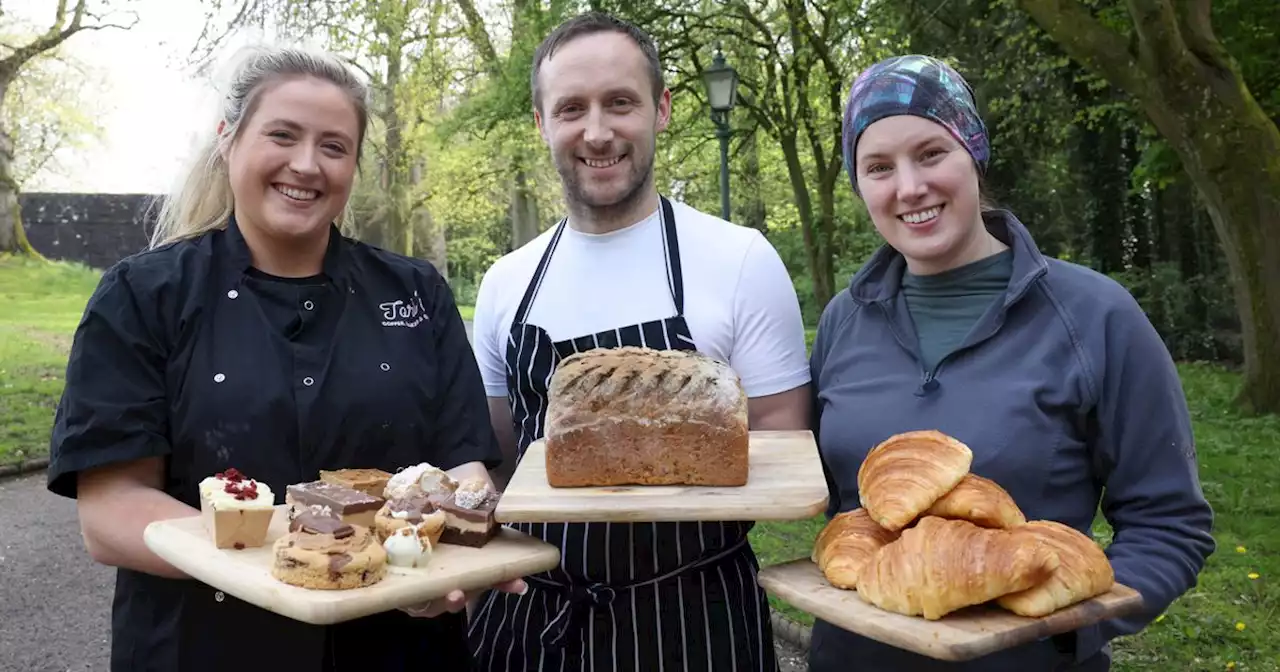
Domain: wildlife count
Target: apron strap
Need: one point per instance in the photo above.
(671, 243)
(581, 598)
(532, 290)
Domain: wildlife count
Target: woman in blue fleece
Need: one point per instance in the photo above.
(1049, 371)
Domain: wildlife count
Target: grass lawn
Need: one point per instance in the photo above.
(1231, 620)
(40, 305)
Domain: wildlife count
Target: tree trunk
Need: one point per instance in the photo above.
(1194, 94)
(819, 255)
(524, 211)
(13, 236)
(753, 210)
(399, 227)
(523, 207)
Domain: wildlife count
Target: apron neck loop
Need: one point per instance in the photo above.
(670, 245)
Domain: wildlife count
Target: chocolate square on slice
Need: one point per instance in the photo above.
(351, 505)
(469, 515)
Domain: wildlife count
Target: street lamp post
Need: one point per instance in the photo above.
(722, 92)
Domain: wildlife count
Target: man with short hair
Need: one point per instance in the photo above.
(627, 267)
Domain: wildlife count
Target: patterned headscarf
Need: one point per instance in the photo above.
(917, 85)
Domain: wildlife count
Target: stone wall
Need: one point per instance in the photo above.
(94, 229)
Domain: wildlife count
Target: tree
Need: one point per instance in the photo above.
(48, 112)
(1192, 90)
(67, 22)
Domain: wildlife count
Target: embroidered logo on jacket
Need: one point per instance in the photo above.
(404, 313)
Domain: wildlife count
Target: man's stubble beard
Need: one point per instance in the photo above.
(581, 206)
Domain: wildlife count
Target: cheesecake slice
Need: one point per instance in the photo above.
(236, 509)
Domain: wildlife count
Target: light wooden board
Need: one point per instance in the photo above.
(784, 482)
(246, 573)
(958, 636)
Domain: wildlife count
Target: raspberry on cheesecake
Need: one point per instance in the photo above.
(236, 509)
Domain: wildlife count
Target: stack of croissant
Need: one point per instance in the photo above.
(932, 538)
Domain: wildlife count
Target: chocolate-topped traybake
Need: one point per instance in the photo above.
(351, 505)
(468, 514)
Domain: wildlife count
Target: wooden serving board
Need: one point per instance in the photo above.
(961, 635)
(784, 482)
(246, 573)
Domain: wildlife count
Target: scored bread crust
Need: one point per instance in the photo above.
(638, 416)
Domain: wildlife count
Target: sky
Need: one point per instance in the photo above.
(152, 106)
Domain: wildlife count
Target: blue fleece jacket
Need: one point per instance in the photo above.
(1068, 398)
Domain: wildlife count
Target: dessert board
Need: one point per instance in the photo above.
(784, 482)
(958, 636)
(246, 574)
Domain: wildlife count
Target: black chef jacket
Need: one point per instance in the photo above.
(189, 353)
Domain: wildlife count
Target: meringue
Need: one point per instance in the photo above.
(408, 548)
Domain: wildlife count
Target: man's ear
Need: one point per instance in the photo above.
(664, 111)
(537, 120)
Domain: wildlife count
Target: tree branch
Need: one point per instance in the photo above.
(1089, 42)
(58, 33)
(479, 37)
(1197, 31)
(1157, 27)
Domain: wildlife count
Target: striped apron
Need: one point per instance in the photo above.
(640, 597)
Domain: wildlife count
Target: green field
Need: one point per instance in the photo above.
(1229, 621)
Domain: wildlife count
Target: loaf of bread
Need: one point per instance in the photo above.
(636, 416)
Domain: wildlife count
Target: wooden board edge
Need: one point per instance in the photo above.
(959, 652)
(515, 513)
(543, 557)
(158, 544)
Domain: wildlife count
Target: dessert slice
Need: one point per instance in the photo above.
(469, 514)
(321, 552)
(420, 479)
(369, 481)
(409, 547)
(350, 505)
(236, 509)
(417, 510)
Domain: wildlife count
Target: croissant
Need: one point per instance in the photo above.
(845, 544)
(979, 501)
(904, 475)
(940, 565)
(1084, 571)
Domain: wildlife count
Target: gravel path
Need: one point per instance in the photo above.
(55, 603)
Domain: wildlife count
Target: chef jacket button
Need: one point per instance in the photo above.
(219, 596)
(308, 305)
(218, 377)
(232, 294)
(308, 381)
(385, 366)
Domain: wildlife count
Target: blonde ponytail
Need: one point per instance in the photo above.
(202, 200)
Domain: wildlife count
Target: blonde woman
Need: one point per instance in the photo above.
(253, 335)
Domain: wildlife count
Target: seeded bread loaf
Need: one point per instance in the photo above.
(636, 416)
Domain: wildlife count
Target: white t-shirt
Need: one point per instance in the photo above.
(739, 302)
